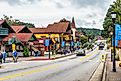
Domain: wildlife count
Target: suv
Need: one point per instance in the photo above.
(80, 52)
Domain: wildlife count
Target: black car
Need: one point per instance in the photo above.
(101, 47)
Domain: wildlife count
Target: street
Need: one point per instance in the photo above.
(78, 68)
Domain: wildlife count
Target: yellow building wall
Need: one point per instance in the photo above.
(46, 35)
(51, 36)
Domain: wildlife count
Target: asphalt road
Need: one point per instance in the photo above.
(72, 69)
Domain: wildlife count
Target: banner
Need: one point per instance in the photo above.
(47, 42)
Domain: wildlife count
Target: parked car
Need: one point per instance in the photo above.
(80, 52)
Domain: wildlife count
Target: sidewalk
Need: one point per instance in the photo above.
(113, 76)
(33, 58)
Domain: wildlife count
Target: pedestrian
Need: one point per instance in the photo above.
(15, 56)
(4, 56)
(1, 57)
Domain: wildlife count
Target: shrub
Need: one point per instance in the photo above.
(26, 52)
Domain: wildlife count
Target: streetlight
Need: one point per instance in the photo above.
(113, 15)
(49, 45)
(111, 33)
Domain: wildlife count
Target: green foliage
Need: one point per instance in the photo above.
(84, 39)
(16, 22)
(107, 24)
(26, 52)
(91, 33)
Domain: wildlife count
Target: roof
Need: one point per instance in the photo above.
(17, 28)
(38, 30)
(1, 21)
(60, 27)
(24, 37)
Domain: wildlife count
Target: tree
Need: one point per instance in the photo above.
(108, 24)
(16, 22)
(84, 39)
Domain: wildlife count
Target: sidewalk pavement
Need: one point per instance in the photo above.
(113, 76)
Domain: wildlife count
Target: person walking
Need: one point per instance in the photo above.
(1, 56)
(4, 56)
(15, 56)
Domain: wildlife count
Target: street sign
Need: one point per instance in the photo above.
(47, 42)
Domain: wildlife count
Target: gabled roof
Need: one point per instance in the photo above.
(24, 37)
(60, 27)
(5, 25)
(25, 30)
(17, 28)
(38, 30)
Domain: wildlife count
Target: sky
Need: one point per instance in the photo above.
(87, 13)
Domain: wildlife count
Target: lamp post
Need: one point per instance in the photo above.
(111, 33)
(113, 14)
(49, 45)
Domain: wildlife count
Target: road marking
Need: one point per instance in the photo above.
(89, 54)
(30, 72)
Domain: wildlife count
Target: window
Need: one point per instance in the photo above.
(3, 31)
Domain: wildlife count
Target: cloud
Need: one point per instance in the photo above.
(85, 12)
(86, 3)
(19, 2)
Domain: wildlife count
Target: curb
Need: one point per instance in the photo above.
(100, 73)
(30, 67)
(97, 76)
(54, 58)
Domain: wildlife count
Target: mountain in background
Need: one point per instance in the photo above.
(90, 32)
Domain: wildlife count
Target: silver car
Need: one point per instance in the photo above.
(80, 52)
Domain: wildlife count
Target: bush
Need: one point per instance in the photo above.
(26, 52)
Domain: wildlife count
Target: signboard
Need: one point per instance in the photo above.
(47, 42)
(41, 41)
(118, 32)
(117, 35)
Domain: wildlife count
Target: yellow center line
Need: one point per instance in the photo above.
(30, 72)
(89, 54)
